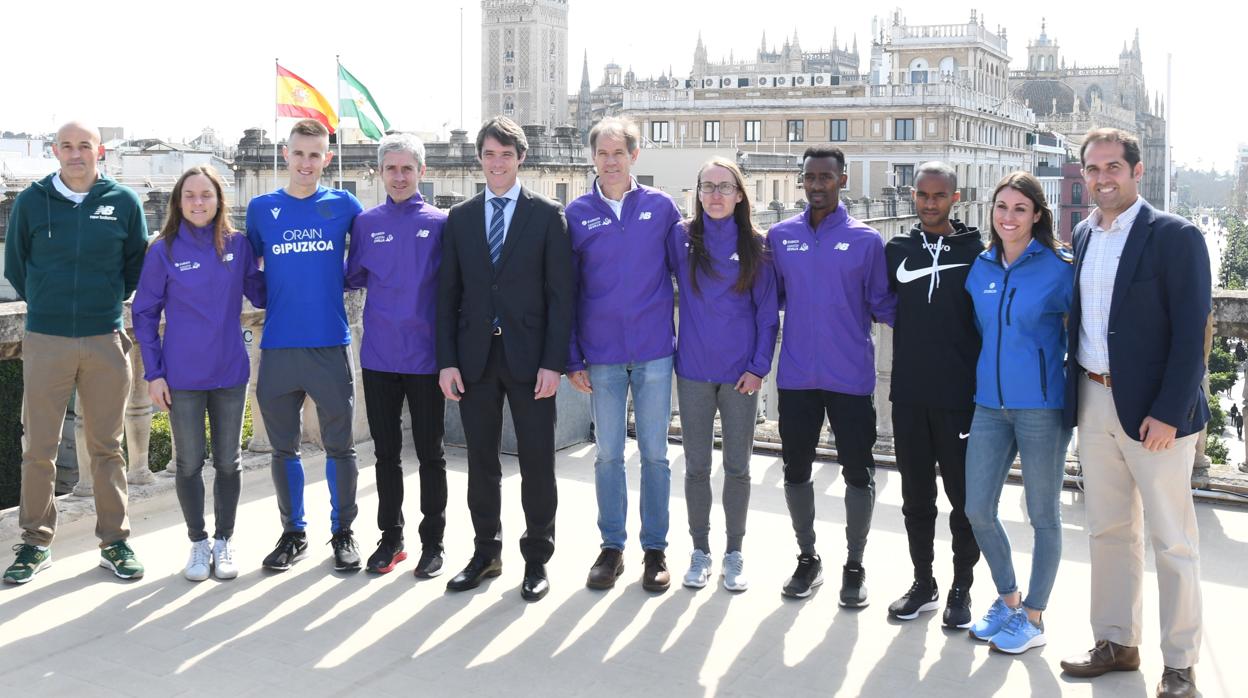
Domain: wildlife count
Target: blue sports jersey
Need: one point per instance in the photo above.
(303, 243)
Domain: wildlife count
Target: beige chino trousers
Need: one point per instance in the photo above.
(1125, 484)
(52, 367)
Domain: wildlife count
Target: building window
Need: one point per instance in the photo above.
(561, 192)
(710, 131)
(660, 131)
(904, 175)
(1076, 194)
(1075, 217)
(838, 130)
(918, 77)
(426, 191)
(903, 129)
(797, 130)
(753, 131)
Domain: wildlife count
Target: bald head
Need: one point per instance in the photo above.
(78, 148)
(75, 129)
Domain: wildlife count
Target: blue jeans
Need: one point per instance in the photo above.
(651, 383)
(996, 437)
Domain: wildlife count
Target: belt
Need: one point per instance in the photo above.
(1102, 378)
(498, 331)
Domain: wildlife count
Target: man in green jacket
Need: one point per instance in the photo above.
(74, 249)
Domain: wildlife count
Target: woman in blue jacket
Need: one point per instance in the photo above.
(729, 317)
(196, 274)
(1021, 287)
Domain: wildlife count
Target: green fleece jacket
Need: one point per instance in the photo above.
(74, 264)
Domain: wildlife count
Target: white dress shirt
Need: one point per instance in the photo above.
(1096, 285)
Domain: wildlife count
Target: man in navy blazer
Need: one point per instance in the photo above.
(1133, 387)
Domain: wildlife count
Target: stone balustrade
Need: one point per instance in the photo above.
(1230, 316)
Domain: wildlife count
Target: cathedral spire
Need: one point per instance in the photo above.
(585, 73)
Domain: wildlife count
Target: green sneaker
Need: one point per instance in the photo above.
(119, 558)
(30, 560)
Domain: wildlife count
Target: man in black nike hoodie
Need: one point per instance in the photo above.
(935, 347)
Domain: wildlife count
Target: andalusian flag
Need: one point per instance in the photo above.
(296, 98)
(355, 102)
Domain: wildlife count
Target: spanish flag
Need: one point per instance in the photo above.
(295, 97)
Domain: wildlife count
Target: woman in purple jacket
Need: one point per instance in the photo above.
(728, 321)
(196, 273)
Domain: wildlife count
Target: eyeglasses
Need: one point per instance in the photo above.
(725, 188)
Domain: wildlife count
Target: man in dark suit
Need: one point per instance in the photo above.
(1133, 387)
(504, 320)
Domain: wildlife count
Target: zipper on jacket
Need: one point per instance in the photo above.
(1009, 306)
(1005, 283)
(1044, 378)
(77, 264)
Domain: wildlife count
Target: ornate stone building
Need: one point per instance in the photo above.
(1073, 100)
(931, 92)
(524, 60)
(554, 166)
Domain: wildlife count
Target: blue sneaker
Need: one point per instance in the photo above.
(1018, 635)
(992, 622)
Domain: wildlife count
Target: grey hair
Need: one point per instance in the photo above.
(616, 127)
(401, 143)
(936, 167)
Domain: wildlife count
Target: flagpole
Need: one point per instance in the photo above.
(338, 80)
(276, 67)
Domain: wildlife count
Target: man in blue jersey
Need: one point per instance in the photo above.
(300, 231)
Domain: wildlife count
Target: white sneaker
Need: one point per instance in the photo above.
(734, 572)
(223, 559)
(699, 569)
(199, 564)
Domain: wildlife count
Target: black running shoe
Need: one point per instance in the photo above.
(854, 586)
(388, 554)
(958, 607)
(291, 548)
(346, 554)
(807, 576)
(922, 597)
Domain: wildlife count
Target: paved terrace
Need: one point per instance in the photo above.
(78, 631)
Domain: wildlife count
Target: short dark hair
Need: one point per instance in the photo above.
(940, 169)
(309, 127)
(1130, 144)
(825, 151)
(505, 131)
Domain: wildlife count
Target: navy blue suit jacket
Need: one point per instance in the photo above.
(1161, 304)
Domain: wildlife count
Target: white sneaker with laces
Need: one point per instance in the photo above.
(699, 569)
(734, 572)
(223, 559)
(199, 564)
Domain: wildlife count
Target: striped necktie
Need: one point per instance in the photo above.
(495, 238)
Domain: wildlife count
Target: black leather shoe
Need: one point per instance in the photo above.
(535, 584)
(654, 576)
(479, 568)
(430, 564)
(607, 568)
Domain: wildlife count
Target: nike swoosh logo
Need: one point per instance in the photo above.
(963, 436)
(905, 276)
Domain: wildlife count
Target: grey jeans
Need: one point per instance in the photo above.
(699, 400)
(224, 407)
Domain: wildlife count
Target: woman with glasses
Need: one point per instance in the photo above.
(1022, 287)
(196, 273)
(728, 319)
